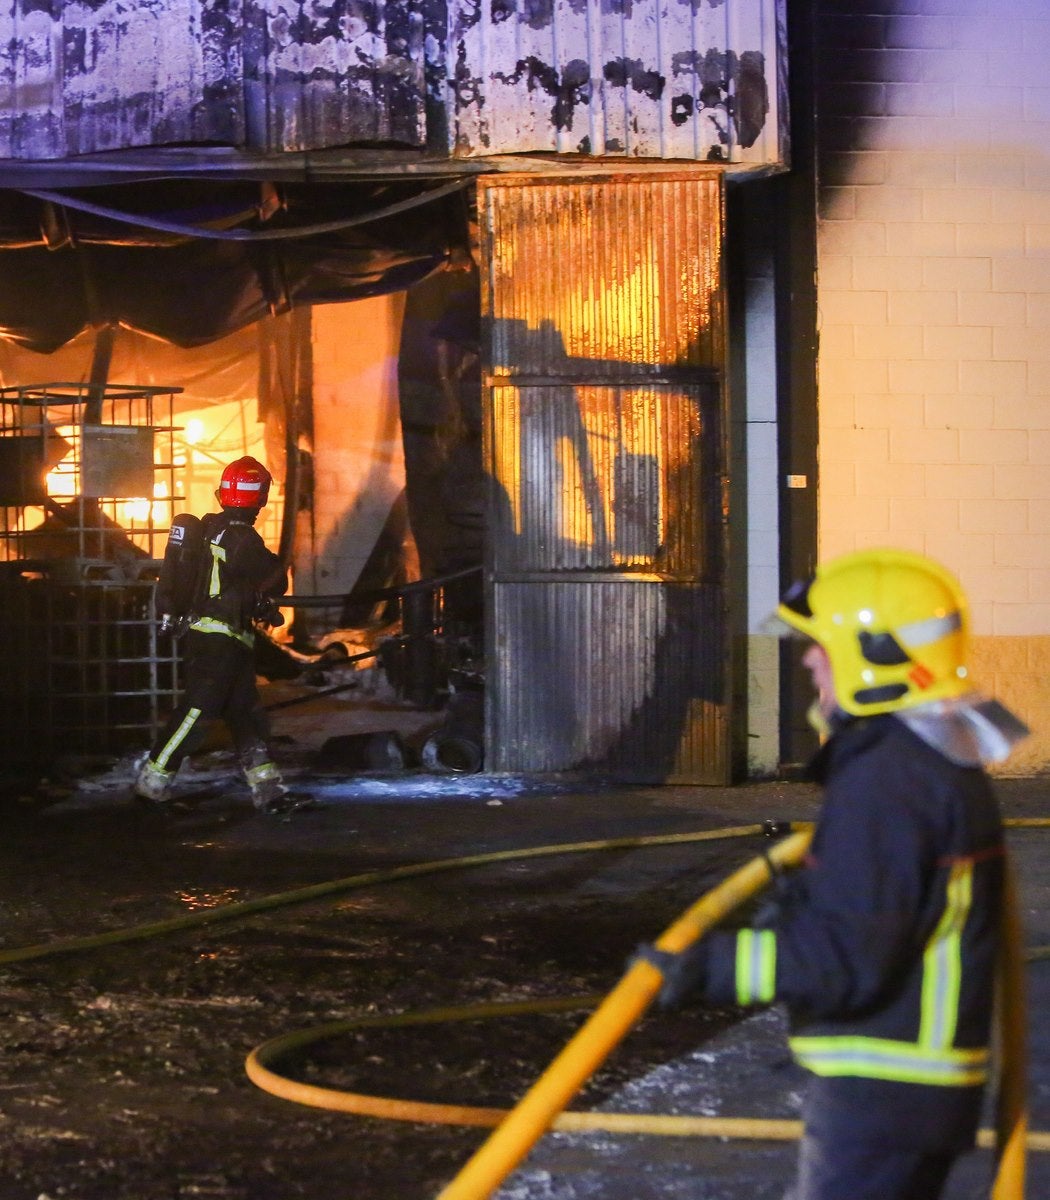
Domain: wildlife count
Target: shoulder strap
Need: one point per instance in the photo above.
(179, 570)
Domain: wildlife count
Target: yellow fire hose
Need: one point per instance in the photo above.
(606, 1027)
(541, 1107)
(1012, 1058)
(260, 1070)
(333, 887)
(535, 1112)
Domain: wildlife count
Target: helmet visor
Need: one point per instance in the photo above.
(793, 615)
(775, 626)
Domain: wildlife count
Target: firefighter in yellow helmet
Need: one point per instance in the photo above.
(883, 946)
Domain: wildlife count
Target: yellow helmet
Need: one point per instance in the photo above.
(894, 625)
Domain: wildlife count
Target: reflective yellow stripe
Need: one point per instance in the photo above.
(942, 963)
(263, 773)
(218, 555)
(177, 738)
(211, 625)
(931, 1059)
(756, 966)
(880, 1058)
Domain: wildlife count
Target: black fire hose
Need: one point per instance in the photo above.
(376, 594)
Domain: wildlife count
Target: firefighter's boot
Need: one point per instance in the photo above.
(269, 793)
(153, 783)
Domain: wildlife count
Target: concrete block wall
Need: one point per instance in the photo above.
(934, 297)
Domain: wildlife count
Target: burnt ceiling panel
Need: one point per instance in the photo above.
(319, 75)
(79, 78)
(90, 77)
(645, 79)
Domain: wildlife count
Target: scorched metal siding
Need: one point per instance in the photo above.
(83, 78)
(600, 478)
(609, 676)
(607, 635)
(320, 75)
(700, 80)
(270, 75)
(690, 79)
(609, 280)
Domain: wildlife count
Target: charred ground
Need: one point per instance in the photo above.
(123, 1077)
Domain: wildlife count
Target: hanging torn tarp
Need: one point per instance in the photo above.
(224, 372)
(95, 257)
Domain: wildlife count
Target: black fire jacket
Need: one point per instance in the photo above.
(215, 569)
(883, 945)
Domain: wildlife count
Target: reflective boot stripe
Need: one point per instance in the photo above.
(153, 782)
(756, 966)
(178, 737)
(266, 772)
(266, 785)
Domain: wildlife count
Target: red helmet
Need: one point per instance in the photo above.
(244, 484)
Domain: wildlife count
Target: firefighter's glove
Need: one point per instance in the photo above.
(684, 974)
(267, 612)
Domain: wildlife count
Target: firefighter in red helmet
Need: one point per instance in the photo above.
(217, 581)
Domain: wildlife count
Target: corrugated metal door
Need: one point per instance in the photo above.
(604, 334)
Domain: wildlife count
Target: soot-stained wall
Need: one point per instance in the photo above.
(694, 79)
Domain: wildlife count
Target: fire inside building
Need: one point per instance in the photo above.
(96, 471)
(525, 304)
(461, 283)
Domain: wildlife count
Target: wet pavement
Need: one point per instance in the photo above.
(123, 1074)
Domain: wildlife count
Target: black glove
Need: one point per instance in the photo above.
(267, 612)
(173, 626)
(684, 974)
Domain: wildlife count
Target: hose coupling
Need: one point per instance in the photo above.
(775, 829)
